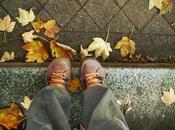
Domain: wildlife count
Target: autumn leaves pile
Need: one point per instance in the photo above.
(41, 42)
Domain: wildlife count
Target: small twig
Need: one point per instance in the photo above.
(131, 31)
(22, 120)
(42, 38)
(107, 36)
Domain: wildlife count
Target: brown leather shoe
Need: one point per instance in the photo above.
(59, 72)
(91, 73)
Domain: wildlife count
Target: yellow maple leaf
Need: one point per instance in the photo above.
(6, 24)
(61, 50)
(126, 46)
(168, 97)
(51, 28)
(38, 25)
(10, 117)
(36, 52)
(75, 85)
(25, 17)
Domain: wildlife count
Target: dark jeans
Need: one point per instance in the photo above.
(50, 110)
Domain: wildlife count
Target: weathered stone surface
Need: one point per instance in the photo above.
(142, 85)
(102, 11)
(137, 11)
(82, 22)
(158, 25)
(62, 10)
(121, 2)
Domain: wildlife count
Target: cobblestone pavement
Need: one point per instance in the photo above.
(81, 20)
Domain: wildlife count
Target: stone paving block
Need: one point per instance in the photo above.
(43, 14)
(82, 22)
(165, 43)
(2, 12)
(102, 11)
(170, 16)
(138, 12)
(13, 5)
(82, 2)
(62, 10)
(121, 2)
(158, 25)
(43, 2)
(120, 24)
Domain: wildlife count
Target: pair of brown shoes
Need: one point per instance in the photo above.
(59, 73)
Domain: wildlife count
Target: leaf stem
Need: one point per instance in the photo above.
(107, 36)
(5, 37)
(42, 38)
(132, 31)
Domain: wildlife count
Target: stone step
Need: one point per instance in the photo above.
(143, 85)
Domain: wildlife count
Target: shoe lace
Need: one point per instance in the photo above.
(58, 79)
(93, 79)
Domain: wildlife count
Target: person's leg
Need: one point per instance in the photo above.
(50, 109)
(99, 109)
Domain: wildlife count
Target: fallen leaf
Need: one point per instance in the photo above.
(6, 24)
(25, 17)
(84, 53)
(26, 103)
(38, 25)
(163, 5)
(75, 85)
(36, 52)
(7, 56)
(126, 46)
(10, 117)
(29, 36)
(51, 28)
(101, 48)
(155, 3)
(126, 105)
(168, 97)
(61, 50)
(167, 6)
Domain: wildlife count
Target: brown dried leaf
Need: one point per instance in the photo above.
(10, 117)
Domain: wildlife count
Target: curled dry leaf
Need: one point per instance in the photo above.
(6, 24)
(126, 46)
(26, 103)
(84, 53)
(163, 5)
(61, 50)
(25, 17)
(75, 85)
(10, 117)
(101, 48)
(38, 25)
(7, 56)
(168, 97)
(36, 52)
(29, 36)
(126, 105)
(51, 28)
